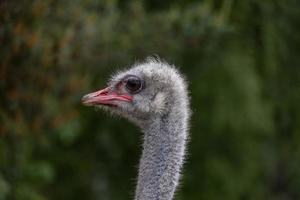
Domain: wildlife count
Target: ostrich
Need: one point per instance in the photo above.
(153, 95)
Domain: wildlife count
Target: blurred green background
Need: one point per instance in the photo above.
(242, 61)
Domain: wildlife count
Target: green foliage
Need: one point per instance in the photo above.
(241, 59)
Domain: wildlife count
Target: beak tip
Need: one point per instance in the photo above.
(84, 100)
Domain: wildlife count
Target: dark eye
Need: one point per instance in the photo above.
(133, 84)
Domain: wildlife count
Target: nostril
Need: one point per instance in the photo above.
(104, 92)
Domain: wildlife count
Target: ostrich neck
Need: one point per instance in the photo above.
(162, 157)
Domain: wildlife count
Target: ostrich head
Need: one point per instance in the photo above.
(149, 89)
(154, 96)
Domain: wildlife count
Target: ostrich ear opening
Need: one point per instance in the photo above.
(159, 102)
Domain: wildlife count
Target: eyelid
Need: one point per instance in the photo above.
(131, 76)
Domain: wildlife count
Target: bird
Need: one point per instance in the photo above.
(153, 95)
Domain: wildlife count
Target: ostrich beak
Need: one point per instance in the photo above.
(104, 97)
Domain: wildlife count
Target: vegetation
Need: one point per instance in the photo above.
(242, 62)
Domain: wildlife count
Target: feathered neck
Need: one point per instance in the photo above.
(163, 154)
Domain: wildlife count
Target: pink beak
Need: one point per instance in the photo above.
(104, 97)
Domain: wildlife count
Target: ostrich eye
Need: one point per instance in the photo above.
(133, 84)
